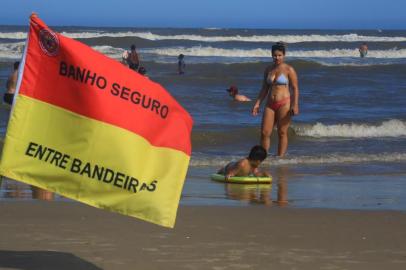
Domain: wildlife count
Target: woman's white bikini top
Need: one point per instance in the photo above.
(281, 80)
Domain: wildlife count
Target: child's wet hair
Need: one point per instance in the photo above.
(257, 153)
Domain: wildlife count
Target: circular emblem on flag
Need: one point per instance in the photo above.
(49, 42)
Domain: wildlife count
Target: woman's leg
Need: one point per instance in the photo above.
(268, 120)
(283, 122)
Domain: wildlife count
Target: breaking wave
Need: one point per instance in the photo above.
(390, 128)
(260, 53)
(352, 37)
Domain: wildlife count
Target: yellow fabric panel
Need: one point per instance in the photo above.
(36, 128)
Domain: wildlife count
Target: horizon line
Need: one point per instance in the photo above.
(215, 28)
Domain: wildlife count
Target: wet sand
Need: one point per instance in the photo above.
(42, 235)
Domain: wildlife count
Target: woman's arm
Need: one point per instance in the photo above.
(294, 87)
(262, 94)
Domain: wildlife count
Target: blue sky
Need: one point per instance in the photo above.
(288, 14)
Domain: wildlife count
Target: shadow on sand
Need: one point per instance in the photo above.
(43, 260)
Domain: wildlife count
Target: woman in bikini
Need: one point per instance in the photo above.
(280, 80)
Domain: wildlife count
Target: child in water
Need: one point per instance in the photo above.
(247, 166)
(233, 92)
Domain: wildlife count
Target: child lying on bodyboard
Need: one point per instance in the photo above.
(247, 166)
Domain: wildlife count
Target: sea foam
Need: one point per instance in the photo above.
(207, 51)
(14, 50)
(350, 37)
(390, 128)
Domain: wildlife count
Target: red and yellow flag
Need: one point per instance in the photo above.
(87, 127)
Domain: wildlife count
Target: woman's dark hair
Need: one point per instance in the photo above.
(257, 153)
(279, 46)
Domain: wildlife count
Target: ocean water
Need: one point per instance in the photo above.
(347, 148)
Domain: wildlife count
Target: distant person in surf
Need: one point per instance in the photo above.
(131, 58)
(11, 84)
(181, 64)
(233, 92)
(363, 50)
(247, 166)
(281, 91)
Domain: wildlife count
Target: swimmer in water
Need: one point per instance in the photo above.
(233, 92)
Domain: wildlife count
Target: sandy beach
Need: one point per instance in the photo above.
(67, 235)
